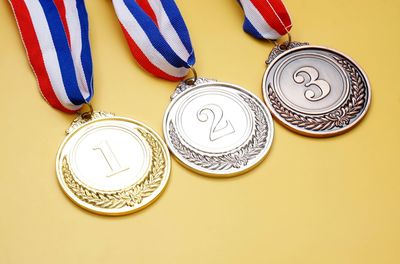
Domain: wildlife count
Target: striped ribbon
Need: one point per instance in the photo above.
(265, 19)
(55, 34)
(157, 36)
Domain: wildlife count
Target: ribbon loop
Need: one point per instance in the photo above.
(55, 34)
(265, 19)
(157, 36)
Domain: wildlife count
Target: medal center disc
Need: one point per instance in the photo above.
(109, 156)
(310, 83)
(213, 120)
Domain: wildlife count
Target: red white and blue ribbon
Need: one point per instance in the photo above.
(266, 19)
(157, 36)
(56, 38)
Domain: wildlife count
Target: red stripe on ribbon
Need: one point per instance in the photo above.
(275, 14)
(35, 56)
(144, 4)
(144, 61)
(61, 10)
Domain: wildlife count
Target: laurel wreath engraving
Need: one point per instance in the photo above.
(183, 86)
(336, 118)
(235, 159)
(129, 196)
(276, 51)
(80, 120)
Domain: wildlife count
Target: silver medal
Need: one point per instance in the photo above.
(217, 129)
(314, 90)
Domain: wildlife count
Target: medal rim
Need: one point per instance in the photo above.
(303, 131)
(217, 174)
(114, 212)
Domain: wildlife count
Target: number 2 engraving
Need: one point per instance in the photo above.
(220, 127)
(110, 158)
(314, 75)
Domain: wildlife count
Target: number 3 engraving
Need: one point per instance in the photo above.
(110, 158)
(217, 129)
(314, 75)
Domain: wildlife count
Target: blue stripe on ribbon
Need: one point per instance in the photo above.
(176, 19)
(154, 35)
(86, 55)
(249, 28)
(62, 48)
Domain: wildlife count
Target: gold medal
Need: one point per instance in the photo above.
(112, 165)
(106, 164)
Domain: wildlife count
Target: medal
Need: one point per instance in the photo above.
(107, 164)
(312, 90)
(217, 128)
(112, 165)
(211, 127)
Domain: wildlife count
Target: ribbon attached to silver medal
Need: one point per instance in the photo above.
(214, 128)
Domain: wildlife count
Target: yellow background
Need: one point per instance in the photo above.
(319, 201)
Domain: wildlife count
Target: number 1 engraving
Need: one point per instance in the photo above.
(314, 75)
(110, 158)
(217, 129)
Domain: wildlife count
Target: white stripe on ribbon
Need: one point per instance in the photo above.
(258, 21)
(136, 32)
(74, 26)
(49, 52)
(168, 31)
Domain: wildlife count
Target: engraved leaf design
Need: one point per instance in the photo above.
(335, 119)
(80, 120)
(183, 86)
(276, 51)
(235, 159)
(131, 196)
